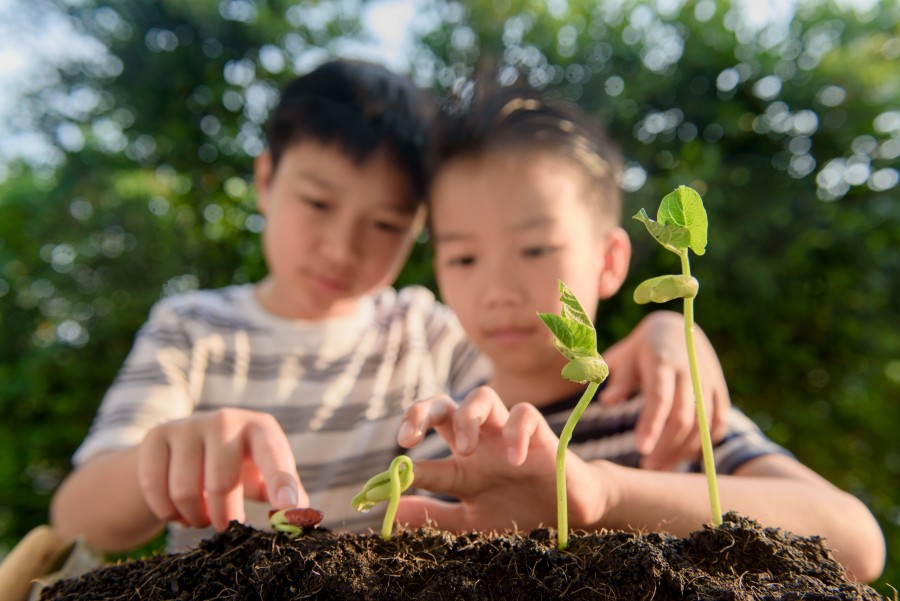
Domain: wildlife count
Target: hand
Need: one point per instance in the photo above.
(653, 359)
(502, 467)
(198, 470)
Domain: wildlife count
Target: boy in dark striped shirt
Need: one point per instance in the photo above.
(524, 193)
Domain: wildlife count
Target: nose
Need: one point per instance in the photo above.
(499, 285)
(339, 241)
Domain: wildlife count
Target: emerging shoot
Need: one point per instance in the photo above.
(573, 336)
(294, 521)
(681, 224)
(386, 486)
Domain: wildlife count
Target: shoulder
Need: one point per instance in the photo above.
(413, 301)
(202, 305)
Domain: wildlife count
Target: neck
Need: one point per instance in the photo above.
(540, 390)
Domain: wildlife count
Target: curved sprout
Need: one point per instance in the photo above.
(386, 486)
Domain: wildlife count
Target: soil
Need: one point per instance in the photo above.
(740, 560)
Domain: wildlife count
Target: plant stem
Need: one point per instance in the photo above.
(388, 525)
(709, 464)
(562, 508)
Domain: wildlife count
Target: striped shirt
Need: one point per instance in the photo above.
(337, 387)
(608, 432)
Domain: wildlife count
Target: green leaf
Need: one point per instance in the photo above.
(572, 308)
(681, 221)
(575, 337)
(664, 288)
(571, 338)
(572, 328)
(683, 208)
(672, 237)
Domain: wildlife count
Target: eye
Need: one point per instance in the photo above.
(315, 204)
(536, 252)
(461, 261)
(390, 228)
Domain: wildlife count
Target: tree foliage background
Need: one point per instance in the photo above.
(790, 131)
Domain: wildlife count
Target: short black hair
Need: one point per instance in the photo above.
(487, 117)
(361, 107)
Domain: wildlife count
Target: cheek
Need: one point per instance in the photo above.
(453, 290)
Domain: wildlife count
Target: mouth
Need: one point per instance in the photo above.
(329, 284)
(509, 335)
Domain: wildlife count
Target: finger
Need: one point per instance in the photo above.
(689, 450)
(186, 480)
(523, 423)
(422, 416)
(439, 476)
(153, 476)
(270, 451)
(721, 408)
(658, 391)
(481, 408)
(222, 473)
(620, 384)
(415, 511)
(678, 428)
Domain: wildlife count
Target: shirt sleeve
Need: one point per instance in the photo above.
(742, 442)
(152, 387)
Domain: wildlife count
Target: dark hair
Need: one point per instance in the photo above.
(487, 117)
(359, 106)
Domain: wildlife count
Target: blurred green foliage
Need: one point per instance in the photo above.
(790, 131)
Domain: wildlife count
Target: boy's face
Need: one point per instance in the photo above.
(507, 225)
(335, 231)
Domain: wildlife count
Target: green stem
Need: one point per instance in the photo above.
(562, 508)
(709, 464)
(388, 524)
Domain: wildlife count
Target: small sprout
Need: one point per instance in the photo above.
(575, 337)
(681, 224)
(386, 486)
(294, 521)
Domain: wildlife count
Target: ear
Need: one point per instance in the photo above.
(615, 255)
(263, 171)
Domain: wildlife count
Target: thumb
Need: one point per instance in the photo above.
(438, 476)
(414, 511)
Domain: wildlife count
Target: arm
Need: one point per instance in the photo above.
(196, 471)
(101, 500)
(774, 490)
(511, 456)
(653, 360)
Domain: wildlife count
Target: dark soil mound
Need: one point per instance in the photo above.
(739, 561)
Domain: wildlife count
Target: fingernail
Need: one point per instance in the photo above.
(462, 442)
(512, 456)
(405, 431)
(286, 497)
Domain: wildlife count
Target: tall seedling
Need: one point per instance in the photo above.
(681, 225)
(575, 337)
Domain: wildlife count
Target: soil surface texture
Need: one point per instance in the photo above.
(738, 561)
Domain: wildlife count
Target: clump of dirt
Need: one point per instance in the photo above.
(738, 561)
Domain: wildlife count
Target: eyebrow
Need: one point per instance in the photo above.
(397, 206)
(313, 177)
(531, 223)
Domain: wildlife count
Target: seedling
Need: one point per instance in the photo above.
(681, 225)
(386, 486)
(575, 337)
(294, 521)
